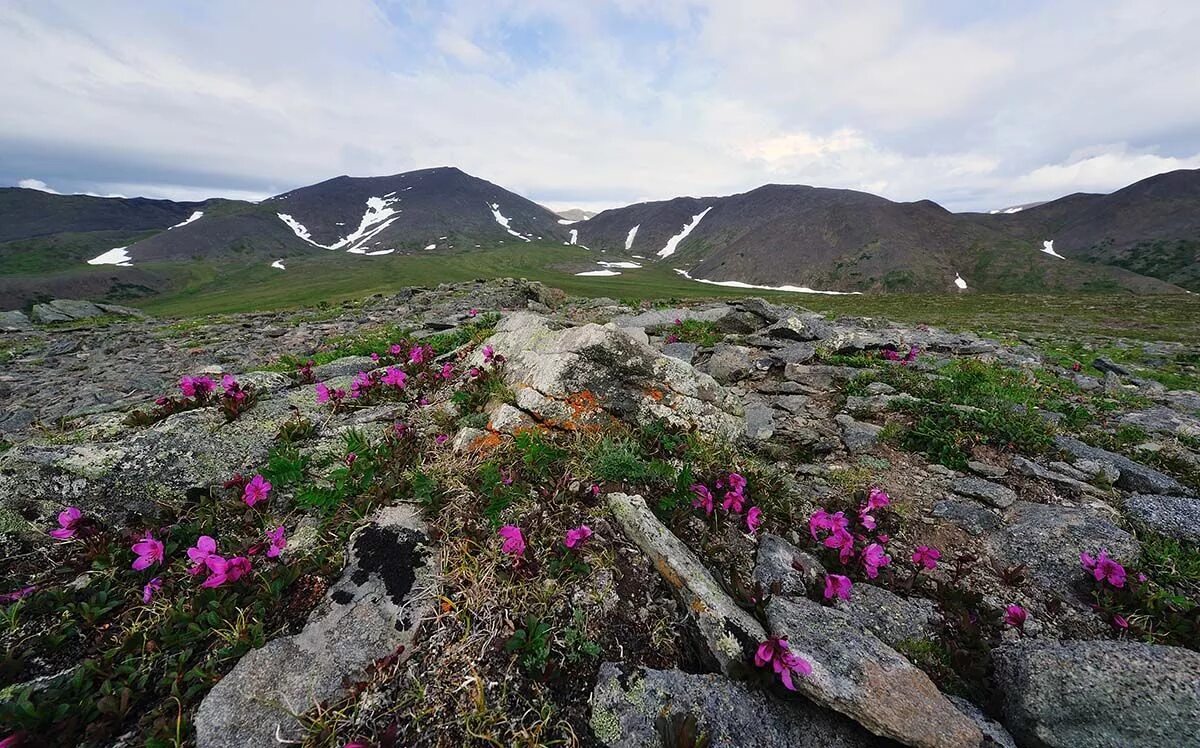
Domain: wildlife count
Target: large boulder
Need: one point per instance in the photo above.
(582, 377)
(858, 675)
(1173, 516)
(984, 490)
(73, 310)
(373, 611)
(1099, 693)
(14, 321)
(629, 705)
(1134, 476)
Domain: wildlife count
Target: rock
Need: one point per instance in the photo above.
(658, 319)
(343, 367)
(1106, 365)
(465, 439)
(588, 375)
(1096, 470)
(730, 633)
(65, 310)
(1160, 420)
(792, 403)
(1173, 516)
(858, 675)
(989, 493)
(848, 340)
(968, 515)
(730, 363)
(685, 352)
(818, 378)
(766, 311)
(374, 610)
(627, 703)
(1134, 476)
(880, 388)
(1032, 469)
(1099, 693)
(61, 347)
(760, 421)
(986, 470)
(14, 321)
(990, 728)
(507, 419)
(796, 353)
(892, 618)
(856, 435)
(1049, 539)
(804, 329)
(778, 561)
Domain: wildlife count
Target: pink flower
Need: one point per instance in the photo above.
(15, 595)
(153, 586)
(776, 652)
(416, 355)
(678, 321)
(217, 566)
(278, 538)
(823, 520)
(473, 313)
(595, 490)
(256, 490)
(734, 502)
(577, 536)
(753, 519)
(200, 553)
(672, 338)
(357, 744)
(229, 384)
(877, 499)
(1015, 615)
(394, 377)
(149, 552)
(16, 740)
(322, 393)
(350, 459)
(447, 371)
(1119, 622)
(1104, 569)
(737, 482)
(442, 438)
(198, 387)
(396, 349)
(514, 541)
(868, 522)
(238, 567)
(375, 357)
(704, 498)
(926, 556)
(843, 542)
(489, 354)
(362, 382)
(873, 558)
(474, 372)
(67, 521)
(837, 585)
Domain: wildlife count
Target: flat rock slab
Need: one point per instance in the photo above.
(966, 514)
(858, 675)
(778, 562)
(731, 634)
(1134, 476)
(1160, 420)
(892, 618)
(1099, 693)
(1174, 516)
(629, 703)
(984, 490)
(857, 435)
(14, 321)
(1049, 539)
(388, 586)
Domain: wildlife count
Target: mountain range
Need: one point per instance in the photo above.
(1144, 238)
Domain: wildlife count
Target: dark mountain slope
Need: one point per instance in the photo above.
(32, 213)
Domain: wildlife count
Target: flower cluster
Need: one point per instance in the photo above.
(733, 501)
(836, 532)
(1104, 569)
(904, 358)
(513, 540)
(401, 366)
(776, 653)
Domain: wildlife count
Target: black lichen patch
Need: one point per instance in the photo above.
(393, 555)
(342, 597)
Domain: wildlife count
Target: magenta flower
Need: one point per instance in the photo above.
(734, 502)
(442, 438)
(362, 381)
(1119, 622)
(473, 312)
(217, 566)
(474, 372)
(394, 377)
(152, 587)
(416, 355)
(149, 552)
(514, 541)
(867, 521)
(926, 556)
(704, 498)
(447, 371)
(278, 538)
(357, 744)
(678, 322)
(873, 558)
(823, 520)
(577, 536)
(15, 595)
(877, 499)
(1103, 568)
(837, 585)
(1015, 615)
(258, 489)
(753, 519)
(322, 393)
(17, 739)
(375, 357)
(843, 542)
(595, 490)
(239, 566)
(229, 384)
(199, 387)
(489, 354)
(776, 652)
(396, 349)
(67, 521)
(200, 553)
(350, 459)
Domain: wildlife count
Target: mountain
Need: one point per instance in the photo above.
(26, 214)
(575, 214)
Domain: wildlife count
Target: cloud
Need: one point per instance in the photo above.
(1097, 169)
(36, 184)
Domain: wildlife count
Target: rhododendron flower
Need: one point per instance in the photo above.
(672, 338)
(926, 556)
(442, 438)
(15, 595)
(678, 321)
(883, 538)
(473, 312)
(874, 557)
(396, 349)
(350, 459)
(258, 489)
(1119, 622)
(400, 428)
(416, 355)
(362, 381)
(843, 542)
(149, 552)
(278, 538)
(488, 354)
(1103, 568)
(199, 387)
(375, 357)
(577, 536)
(221, 570)
(67, 521)
(753, 519)
(867, 521)
(734, 502)
(737, 482)
(394, 377)
(704, 498)
(447, 371)
(199, 554)
(1015, 615)
(473, 372)
(229, 384)
(776, 653)
(837, 585)
(595, 489)
(322, 393)
(153, 586)
(357, 744)
(877, 499)
(514, 541)
(823, 520)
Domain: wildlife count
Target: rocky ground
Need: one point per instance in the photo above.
(500, 516)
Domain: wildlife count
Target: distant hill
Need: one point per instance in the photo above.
(575, 214)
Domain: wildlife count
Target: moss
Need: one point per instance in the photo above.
(605, 726)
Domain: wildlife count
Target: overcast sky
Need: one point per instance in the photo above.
(595, 103)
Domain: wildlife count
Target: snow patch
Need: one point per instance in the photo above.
(193, 217)
(791, 289)
(598, 273)
(431, 246)
(629, 237)
(278, 264)
(500, 219)
(115, 256)
(673, 242)
(625, 265)
(637, 257)
(566, 221)
(958, 281)
(380, 214)
(1048, 248)
(574, 236)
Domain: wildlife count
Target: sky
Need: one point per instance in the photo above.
(600, 103)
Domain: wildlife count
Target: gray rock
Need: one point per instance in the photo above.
(465, 439)
(508, 419)
(14, 321)
(730, 363)
(968, 515)
(780, 562)
(61, 347)
(1107, 694)
(849, 340)
(1174, 516)
(989, 493)
(990, 728)
(1049, 539)
(803, 329)
(657, 319)
(858, 675)
(627, 703)
(685, 352)
(892, 618)
(1032, 469)
(374, 610)
(730, 633)
(880, 388)
(1134, 476)
(1106, 365)
(65, 310)
(987, 470)
(769, 313)
(856, 435)
(796, 353)
(792, 403)
(760, 421)
(1095, 470)
(1160, 420)
(343, 367)
(818, 378)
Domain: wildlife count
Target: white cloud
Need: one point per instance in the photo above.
(1097, 169)
(36, 184)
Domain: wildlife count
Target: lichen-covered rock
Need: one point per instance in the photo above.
(1099, 693)
(966, 514)
(989, 493)
(629, 704)
(778, 562)
(1173, 516)
(892, 618)
(858, 675)
(373, 611)
(1134, 476)
(14, 321)
(991, 729)
(857, 435)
